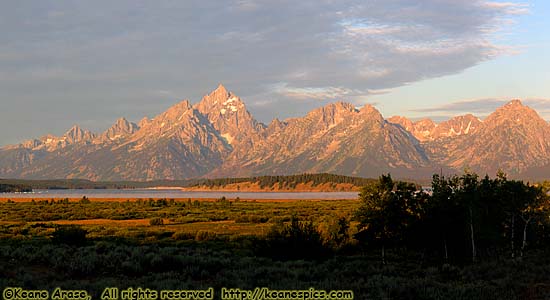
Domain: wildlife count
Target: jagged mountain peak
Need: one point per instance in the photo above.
(229, 116)
(514, 103)
(330, 115)
(212, 98)
(513, 107)
(176, 110)
(218, 136)
(513, 138)
(427, 130)
(396, 117)
(121, 123)
(369, 112)
(220, 90)
(276, 123)
(77, 134)
(340, 105)
(369, 108)
(121, 120)
(404, 122)
(173, 117)
(74, 130)
(220, 102)
(144, 122)
(334, 138)
(120, 129)
(469, 116)
(421, 130)
(333, 108)
(515, 112)
(456, 126)
(426, 121)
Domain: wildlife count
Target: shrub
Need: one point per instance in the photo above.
(72, 235)
(84, 200)
(156, 221)
(204, 235)
(179, 236)
(339, 231)
(297, 240)
(251, 219)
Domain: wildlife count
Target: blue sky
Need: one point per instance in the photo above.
(524, 74)
(91, 62)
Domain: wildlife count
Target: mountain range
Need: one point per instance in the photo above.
(218, 137)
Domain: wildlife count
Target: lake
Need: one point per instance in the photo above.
(176, 193)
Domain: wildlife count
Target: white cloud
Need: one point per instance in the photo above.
(484, 106)
(319, 48)
(510, 7)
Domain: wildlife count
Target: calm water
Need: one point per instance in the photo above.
(147, 193)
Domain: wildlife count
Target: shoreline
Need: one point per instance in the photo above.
(4, 200)
(231, 190)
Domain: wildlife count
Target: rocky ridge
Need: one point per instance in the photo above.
(218, 137)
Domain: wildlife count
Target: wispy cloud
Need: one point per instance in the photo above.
(318, 93)
(481, 105)
(510, 7)
(319, 49)
(484, 106)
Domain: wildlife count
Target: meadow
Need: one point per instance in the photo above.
(163, 243)
(133, 218)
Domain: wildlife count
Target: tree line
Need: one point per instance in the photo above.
(465, 218)
(289, 180)
(264, 181)
(60, 184)
(14, 188)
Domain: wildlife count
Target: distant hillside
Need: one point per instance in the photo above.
(88, 184)
(302, 182)
(14, 188)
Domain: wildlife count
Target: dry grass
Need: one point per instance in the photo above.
(114, 217)
(22, 200)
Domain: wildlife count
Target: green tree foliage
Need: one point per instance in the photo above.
(84, 200)
(290, 181)
(87, 184)
(296, 240)
(464, 218)
(389, 211)
(14, 188)
(21, 185)
(70, 234)
(339, 233)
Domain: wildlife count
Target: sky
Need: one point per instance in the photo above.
(91, 62)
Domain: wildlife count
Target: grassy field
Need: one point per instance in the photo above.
(185, 243)
(181, 218)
